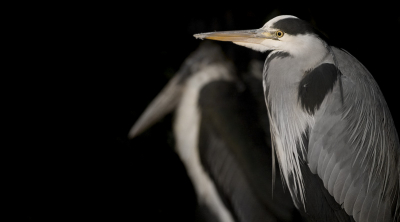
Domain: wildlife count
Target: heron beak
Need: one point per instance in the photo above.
(248, 36)
(163, 104)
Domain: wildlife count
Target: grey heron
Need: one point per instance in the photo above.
(332, 131)
(225, 154)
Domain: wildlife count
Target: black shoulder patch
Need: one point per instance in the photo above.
(316, 85)
(294, 26)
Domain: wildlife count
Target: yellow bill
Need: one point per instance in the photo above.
(250, 36)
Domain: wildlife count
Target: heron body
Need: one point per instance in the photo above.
(225, 154)
(333, 134)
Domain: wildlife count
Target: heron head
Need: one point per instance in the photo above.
(283, 33)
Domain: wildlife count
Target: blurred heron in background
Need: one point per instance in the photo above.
(222, 137)
(333, 134)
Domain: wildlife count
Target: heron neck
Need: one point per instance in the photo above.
(309, 51)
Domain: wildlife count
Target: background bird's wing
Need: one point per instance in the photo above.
(354, 147)
(234, 151)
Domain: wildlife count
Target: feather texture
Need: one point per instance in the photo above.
(362, 135)
(351, 135)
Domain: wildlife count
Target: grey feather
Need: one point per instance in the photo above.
(363, 166)
(351, 135)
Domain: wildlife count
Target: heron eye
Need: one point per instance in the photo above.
(279, 34)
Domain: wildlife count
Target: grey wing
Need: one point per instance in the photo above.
(354, 147)
(234, 151)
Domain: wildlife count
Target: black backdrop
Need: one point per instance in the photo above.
(130, 53)
(158, 48)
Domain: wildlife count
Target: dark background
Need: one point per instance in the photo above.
(120, 58)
